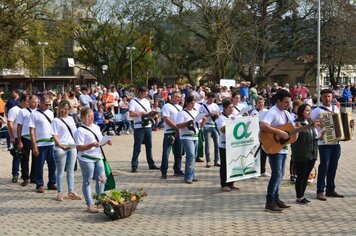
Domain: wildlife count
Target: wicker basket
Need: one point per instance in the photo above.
(119, 211)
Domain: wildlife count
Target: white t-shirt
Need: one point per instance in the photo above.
(83, 136)
(152, 93)
(24, 119)
(182, 117)
(135, 106)
(237, 109)
(276, 117)
(170, 110)
(315, 114)
(12, 116)
(116, 98)
(220, 122)
(42, 127)
(260, 113)
(213, 108)
(61, 131)
(199, 96)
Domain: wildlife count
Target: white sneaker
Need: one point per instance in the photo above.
(265, 175)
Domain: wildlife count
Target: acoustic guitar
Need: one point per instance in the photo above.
(272, 143)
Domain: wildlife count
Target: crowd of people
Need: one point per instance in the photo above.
(63, 129)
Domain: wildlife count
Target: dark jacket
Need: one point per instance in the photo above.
(306, 146)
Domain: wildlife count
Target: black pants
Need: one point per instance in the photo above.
(263, 156)
(26, 174)
(116, 110)
(222, 152)
(303, 169)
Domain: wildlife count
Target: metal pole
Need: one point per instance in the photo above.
(318, 56)
(43, 68)
(131, 65)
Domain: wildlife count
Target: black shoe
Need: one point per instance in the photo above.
(15, 179)
(195, 180)
(134, 170)
(208, 165)
(180, 173)
(273, 207)
(334, 194)
(52, 187)
(154, 167)
(303, 201)
(216, 164)
(24, 183)
(199, 159)
(164, 177)
(281, 204)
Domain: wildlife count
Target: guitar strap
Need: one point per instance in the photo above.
(49, 120)
(196, 123)
(141, 105)
(237, 108)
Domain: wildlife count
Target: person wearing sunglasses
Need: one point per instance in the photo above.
(42, 144)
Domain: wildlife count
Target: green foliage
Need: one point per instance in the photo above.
(118, 197)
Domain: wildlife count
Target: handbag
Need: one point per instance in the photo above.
(110, 181)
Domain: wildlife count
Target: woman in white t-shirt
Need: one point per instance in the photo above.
(87, 138)
(65, 152)
(188, 132)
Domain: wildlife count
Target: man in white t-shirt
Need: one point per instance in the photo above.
(277, 116)
(23, 131)
(329, 153)
(42, 144)
(171, 135)
(153, 91)
(238, 106)
(211, 110)
(138, 108)
(12, 126)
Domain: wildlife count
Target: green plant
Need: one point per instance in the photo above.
(119, 197)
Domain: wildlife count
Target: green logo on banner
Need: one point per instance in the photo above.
(241, 130)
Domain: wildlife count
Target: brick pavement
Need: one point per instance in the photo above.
(175, 208)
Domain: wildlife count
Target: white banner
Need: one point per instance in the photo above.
(242, 148)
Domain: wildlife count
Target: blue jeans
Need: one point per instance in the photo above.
(277, 162)
(65, 160)
(177, 152)
(92, 171)
(213, 133)
(16, 160)
(191, 152)
(329, 159)
(4, 133)
(140, 135)
(45, 154)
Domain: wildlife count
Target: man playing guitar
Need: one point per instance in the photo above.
(277, 116)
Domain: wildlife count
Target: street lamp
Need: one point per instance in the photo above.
(105, 68)
(43, 44)
(130, 50)
(318, 56)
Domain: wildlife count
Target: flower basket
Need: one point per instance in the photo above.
(120, 204)
(119, 211)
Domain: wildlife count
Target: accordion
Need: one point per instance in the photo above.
(337, 126)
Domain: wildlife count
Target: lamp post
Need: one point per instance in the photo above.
(318, 57)
(130, 50)
(105, 68)
(43, 44)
